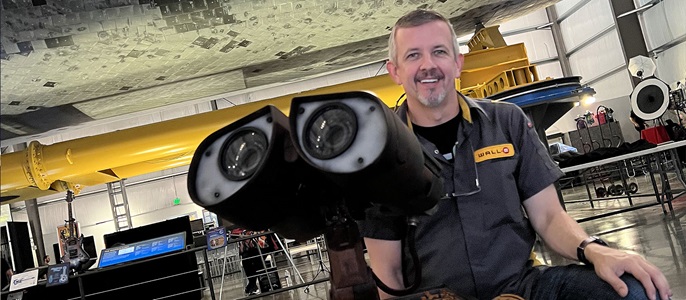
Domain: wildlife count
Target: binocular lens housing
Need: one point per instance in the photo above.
(292, 174)
(243, 153)
(330, 131)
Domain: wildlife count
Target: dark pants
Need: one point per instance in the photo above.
(252, 262)
(580, 282)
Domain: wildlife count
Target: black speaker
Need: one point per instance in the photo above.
(56, 250)
(89, 246)
(21, 246)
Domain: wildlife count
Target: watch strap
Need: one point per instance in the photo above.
(581, 256)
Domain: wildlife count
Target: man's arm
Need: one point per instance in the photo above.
(385, 258)
(563, 234)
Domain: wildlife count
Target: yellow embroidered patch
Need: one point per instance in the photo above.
(495, 151)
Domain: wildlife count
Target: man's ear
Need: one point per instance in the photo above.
(459, 62)
(393, 71)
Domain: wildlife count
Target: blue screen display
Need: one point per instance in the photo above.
(144, 249)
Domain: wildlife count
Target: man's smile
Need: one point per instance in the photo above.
(429, 77)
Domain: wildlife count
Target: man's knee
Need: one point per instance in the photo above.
(636, 289)
(581, 282)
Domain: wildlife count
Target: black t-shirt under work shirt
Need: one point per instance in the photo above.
(443, 136)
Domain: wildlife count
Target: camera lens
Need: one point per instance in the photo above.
(243, 153)
(330, 131)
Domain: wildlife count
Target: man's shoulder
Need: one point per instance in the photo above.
(488, 103)
(495, 109)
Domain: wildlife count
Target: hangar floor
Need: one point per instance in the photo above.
(660, 239)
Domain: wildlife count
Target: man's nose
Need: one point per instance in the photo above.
(427, 63)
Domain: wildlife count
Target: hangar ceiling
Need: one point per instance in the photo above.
(64, 63)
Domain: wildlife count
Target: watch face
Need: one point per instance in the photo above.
(599, 241)
(588, 240)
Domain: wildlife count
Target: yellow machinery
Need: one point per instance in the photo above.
(490, 67)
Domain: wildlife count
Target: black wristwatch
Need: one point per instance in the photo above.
(580, 250)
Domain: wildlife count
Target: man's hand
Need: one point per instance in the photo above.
(611, 263)
(563, 235)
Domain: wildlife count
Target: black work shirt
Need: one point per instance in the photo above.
(479, 240)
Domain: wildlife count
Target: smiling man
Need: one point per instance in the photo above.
(498, 180)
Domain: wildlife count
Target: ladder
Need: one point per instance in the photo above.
(120, 209)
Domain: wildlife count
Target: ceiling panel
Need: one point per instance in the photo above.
(84, 60)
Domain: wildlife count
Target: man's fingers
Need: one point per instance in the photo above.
(659, 280)
(663, 287)
(617, 284)
(640, 273)
(615, 264)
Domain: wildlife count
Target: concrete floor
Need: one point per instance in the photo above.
(659, 238)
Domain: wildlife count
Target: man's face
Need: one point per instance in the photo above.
(425, 65)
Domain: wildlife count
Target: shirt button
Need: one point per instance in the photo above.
(436, 151)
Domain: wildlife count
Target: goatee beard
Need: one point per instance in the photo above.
(433, 100)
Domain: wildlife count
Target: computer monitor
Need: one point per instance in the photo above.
(143, 249)
(197, 226)
(199, 240)
(142, 233)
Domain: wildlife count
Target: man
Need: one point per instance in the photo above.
(639, 124)
(43, 272)
(7, 273)
(253, 260)
(479, 240)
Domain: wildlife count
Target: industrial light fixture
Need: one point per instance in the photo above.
(640, 9)
(650, 98)
(588, 99)
(545, 26)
